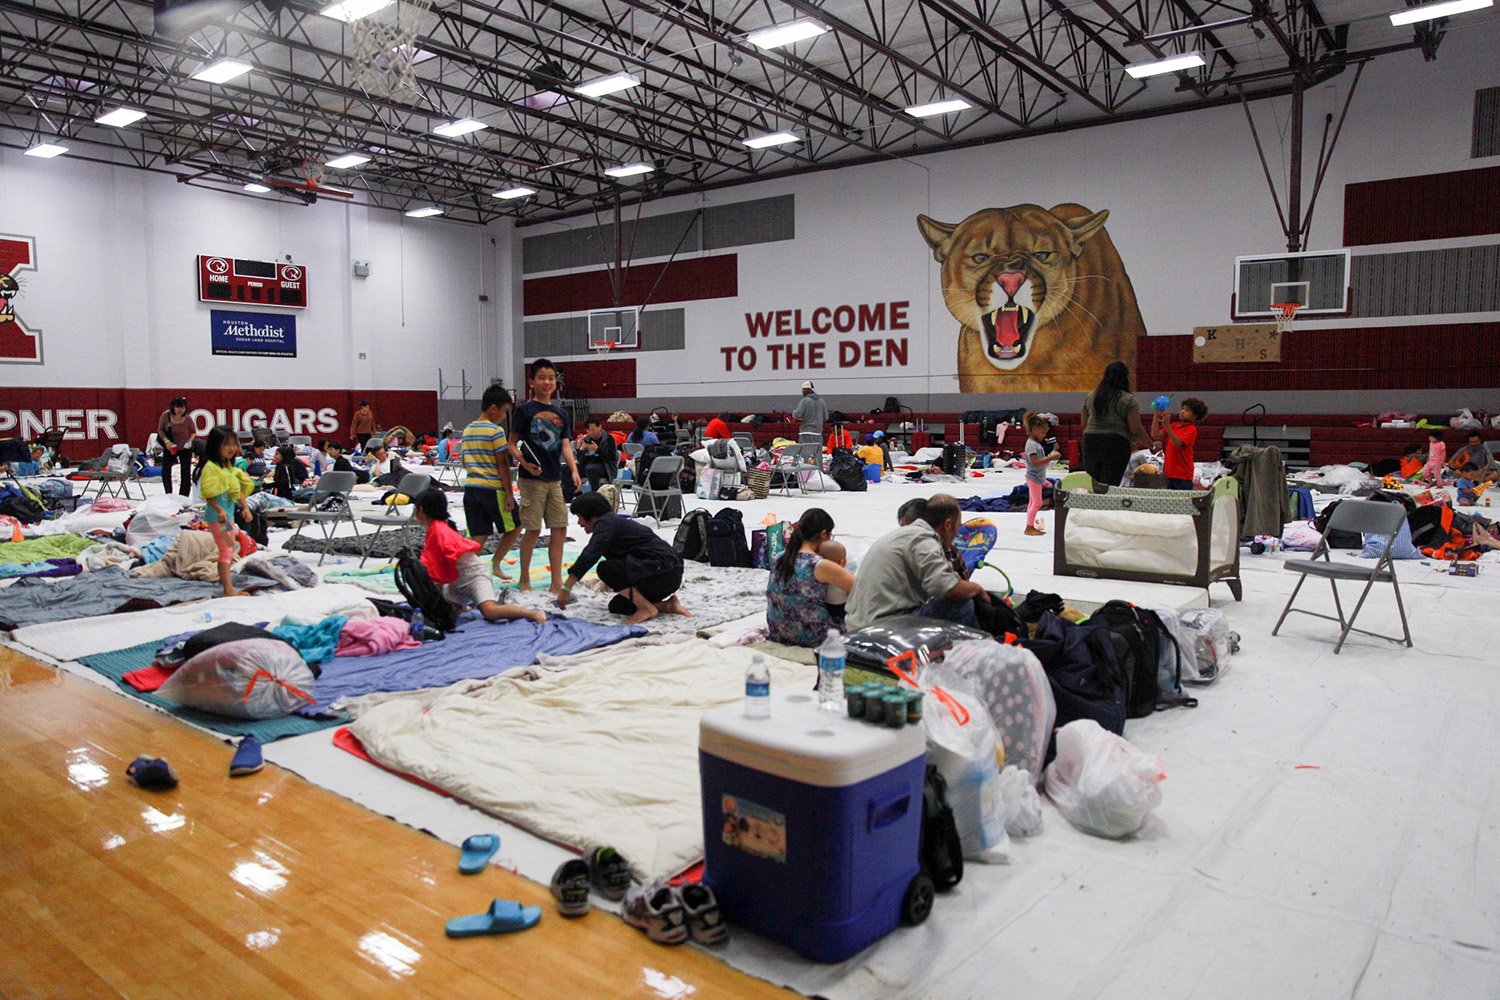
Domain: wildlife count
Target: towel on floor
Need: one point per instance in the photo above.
(375, 636)
(316, 643)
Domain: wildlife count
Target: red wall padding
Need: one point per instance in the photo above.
(1430, 207)
(677, 281)
(607, 378)
(1445, 356)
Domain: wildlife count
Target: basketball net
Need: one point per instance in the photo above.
(603, 347)
(313, 173)
(385, 49)
(1285, 314)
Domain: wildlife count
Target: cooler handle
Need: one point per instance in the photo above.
(884, 812)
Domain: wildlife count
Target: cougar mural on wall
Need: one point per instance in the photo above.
(1042, 299)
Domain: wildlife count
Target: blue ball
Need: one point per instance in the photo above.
(1161, 402)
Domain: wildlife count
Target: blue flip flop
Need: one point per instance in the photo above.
(477, 851)
(505, 916)
(152, 773)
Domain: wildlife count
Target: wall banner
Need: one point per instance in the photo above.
(257, 334)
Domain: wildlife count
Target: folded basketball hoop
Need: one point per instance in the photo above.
(1285, 314)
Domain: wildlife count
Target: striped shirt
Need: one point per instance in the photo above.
(481, 444)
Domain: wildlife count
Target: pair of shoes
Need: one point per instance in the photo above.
(152, 773)
(570, 887)
(505, 916)
(671, 914)
(1035, 531)
(247, 758)
(609, 873)
(474, 856)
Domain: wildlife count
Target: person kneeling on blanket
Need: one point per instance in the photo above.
(634, 562)
(451, 562)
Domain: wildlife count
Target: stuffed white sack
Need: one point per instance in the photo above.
(246, 679)
(962, 743)
(1013, 685)
(1100, 783)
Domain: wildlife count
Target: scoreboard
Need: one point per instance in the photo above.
(251, 282)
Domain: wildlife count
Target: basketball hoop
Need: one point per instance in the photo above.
(602, 347)
(313, 173)
(385, 52)
(1285, 314)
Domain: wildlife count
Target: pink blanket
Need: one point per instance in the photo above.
(372, 636)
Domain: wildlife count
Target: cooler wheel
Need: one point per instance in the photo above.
(917, 903)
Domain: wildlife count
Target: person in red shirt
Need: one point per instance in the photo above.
(452, 562)
(1179, 436)
(718, 428)
(840, 438)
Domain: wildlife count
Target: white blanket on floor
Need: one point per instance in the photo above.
(603, 753)
(713, 594)
(69, 640)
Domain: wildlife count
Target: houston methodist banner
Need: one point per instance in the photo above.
(247, 333)
(95, 418)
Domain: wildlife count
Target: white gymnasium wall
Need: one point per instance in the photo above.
(115, 290)
(1186, 194)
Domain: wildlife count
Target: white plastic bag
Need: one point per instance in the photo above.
(1100, 783)
(1466, 421)
(247, 679)
(1023, 806)
(1181, 644)
(819, 482)
(160, 515)
(1212, 643)
(961, 743)
(1014, 688)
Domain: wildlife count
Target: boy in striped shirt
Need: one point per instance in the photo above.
(488, 504)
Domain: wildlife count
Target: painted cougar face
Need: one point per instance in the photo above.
(996, 254)
(9, 289)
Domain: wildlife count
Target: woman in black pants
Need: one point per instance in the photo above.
(1111, 426)
(176, 434)
(634, 562)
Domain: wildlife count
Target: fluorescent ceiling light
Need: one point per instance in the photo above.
(612, 84)
(1171, 64)
(222, 71)
(255, 188)
(424, 213)
(1427, 12)
(46, 150)
(939, 108)
(630, 170)
(120, 117)
(347, 160)
(350, 11)
(462, 126)
(519, 191)
(767, 141)
(778, 35)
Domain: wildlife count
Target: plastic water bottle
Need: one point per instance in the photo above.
(418, 624)
(831, 673)
(758, 689)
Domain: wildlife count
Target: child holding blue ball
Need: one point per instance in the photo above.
(1179, 436)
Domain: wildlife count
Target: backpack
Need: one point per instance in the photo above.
(1139, 635)
(1086, 679)
(421, 593)
(610, 492)
(955, 460)
(942, 854)
(847, 470)
(22, 503)
(726, 541)
(691, 540)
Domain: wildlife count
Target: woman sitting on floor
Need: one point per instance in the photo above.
(797, 608)
(289, 473)
(641, 568)
(451, 563)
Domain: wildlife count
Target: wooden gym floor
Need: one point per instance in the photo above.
(258, 887)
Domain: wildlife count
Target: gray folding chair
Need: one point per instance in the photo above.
(660, 497)
(1371, 517)
(412, 485)
(300, 439)
(794, 460)
(329, 485)
(1493, 447)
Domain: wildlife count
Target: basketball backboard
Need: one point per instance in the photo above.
(617, 328)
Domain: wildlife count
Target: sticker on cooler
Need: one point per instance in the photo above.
(754, 829)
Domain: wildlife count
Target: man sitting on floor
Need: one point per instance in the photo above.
(641, 568)
(908, 572)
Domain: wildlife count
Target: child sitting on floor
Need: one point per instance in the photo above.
(223, 487)
(834, 596)
(451, 562)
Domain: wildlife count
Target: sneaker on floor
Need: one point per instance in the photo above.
(1035, 531)
(152, 773)
(247, 758)
(705, 922)
(609, 873)
(657, 909)
(570, 887)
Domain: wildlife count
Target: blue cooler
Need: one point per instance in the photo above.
(812, 825)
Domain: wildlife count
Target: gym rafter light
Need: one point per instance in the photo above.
(778, 35)
(1430, 11)
(46, 150)
(510, 194)
(460, 127)
(120, 117)
(612, 84)
(629, 170)
(767, 141)
(350, 11)
(424, 213)
(347, 160)
(1171, 64)
(222, 71)
(948, 107)
(255, 188)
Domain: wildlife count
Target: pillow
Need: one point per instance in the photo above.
(1401, 548)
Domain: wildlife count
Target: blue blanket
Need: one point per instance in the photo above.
(477, 650)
